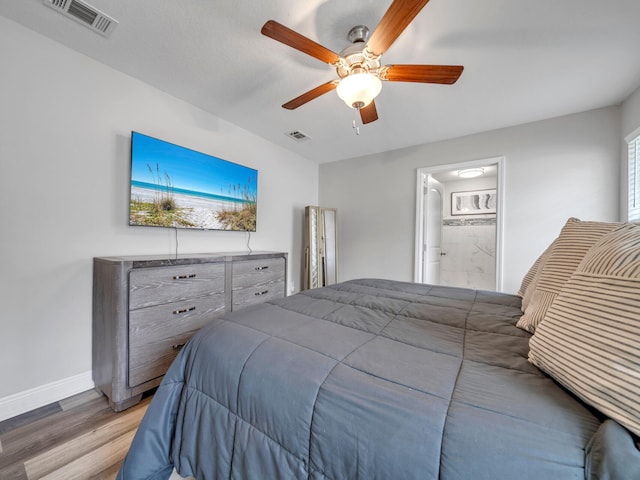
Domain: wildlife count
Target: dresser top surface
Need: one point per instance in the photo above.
(140, 261)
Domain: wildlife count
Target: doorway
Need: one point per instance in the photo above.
(459, 225)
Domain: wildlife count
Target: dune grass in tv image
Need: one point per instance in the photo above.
(175, 187)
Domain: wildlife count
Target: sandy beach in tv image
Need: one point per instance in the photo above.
(196, 210)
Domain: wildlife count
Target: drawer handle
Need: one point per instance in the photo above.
(178, 346)
(183, 277)
(264, 267)
(258, 294)
(184, 310)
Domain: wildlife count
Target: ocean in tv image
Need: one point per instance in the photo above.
(173, 186)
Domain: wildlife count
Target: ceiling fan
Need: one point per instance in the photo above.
(358, 66)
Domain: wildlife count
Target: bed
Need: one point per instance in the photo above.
(381, 379)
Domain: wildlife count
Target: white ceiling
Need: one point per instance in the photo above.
(524, 60)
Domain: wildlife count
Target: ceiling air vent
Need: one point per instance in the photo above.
(86, 14)
(298, 136)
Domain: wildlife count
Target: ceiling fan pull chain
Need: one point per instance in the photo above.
(354, 124)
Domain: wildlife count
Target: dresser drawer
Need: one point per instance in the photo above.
(257, 294)
(158, 285)
(251, 273)
(157, 333)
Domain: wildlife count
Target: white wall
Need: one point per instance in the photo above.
(554, 169)
(630, 124)
(65, 125)
(631, 114)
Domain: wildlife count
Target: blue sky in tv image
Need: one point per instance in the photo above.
(190, 172)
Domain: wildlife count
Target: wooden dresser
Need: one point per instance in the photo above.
(145, 308)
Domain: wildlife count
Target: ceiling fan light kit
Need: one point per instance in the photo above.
(359, 89)
(358, 66)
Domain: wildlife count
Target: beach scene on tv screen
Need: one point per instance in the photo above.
(173, 186)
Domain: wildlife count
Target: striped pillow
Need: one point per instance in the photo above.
(590, 339)
(534, 274)
(574, 241)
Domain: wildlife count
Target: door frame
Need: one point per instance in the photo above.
(421, 175)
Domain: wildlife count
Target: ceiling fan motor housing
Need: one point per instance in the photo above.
(358, 34)
(356, 59)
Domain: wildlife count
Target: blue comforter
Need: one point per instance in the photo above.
(367, 379)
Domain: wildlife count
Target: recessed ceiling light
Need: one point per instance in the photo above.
(470, 172)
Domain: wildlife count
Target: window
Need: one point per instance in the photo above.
(633, 195)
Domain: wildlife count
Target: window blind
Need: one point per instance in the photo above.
(633, 200)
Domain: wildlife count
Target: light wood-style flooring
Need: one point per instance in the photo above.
(76, 438)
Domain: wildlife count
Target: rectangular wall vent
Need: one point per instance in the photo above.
(298, 136)
(85, 14)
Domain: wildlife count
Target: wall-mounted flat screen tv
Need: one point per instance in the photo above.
(175, 187)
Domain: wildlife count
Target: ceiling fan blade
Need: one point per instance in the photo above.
(310, 95)
(369, 113)
(395, 20)
(285, 35)
(445, 74)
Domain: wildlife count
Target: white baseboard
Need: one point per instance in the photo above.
(28, 400)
